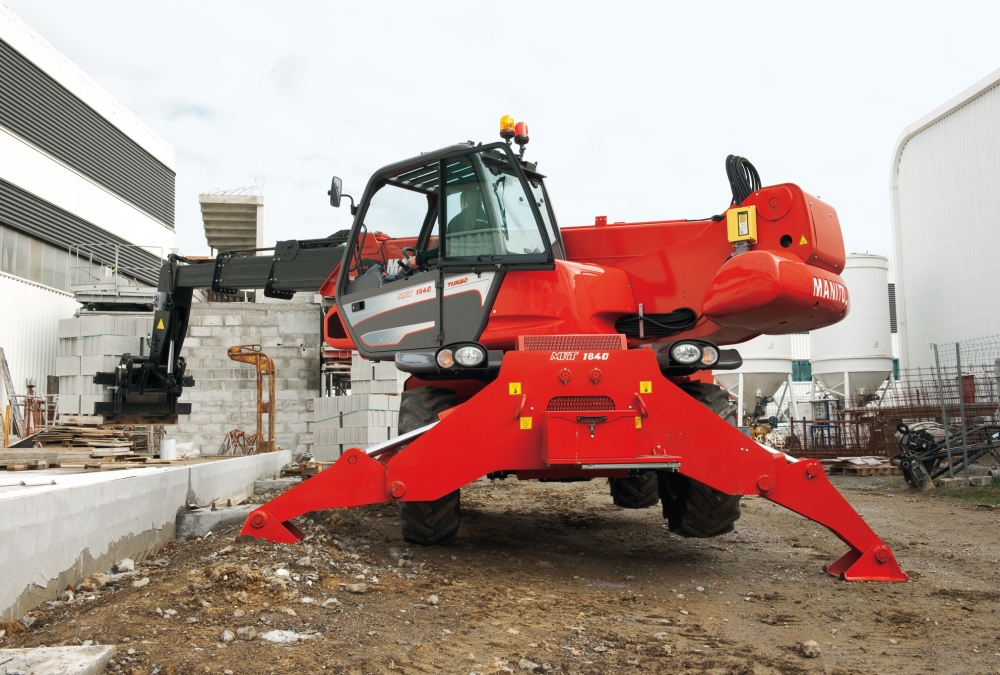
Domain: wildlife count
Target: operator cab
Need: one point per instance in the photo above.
(491, 216)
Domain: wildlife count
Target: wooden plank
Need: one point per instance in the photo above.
(82, 420)
(23, 456)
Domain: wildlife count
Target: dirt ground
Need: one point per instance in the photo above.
(552, 577)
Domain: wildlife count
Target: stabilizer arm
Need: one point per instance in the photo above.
(514, 425)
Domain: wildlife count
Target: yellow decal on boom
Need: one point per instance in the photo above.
(802, 241)
(159, 326)
(638, 423)
(646, 387)
(525, 422)
(515, 390)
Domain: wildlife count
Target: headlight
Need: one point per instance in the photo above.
(469, 356)
(445, 358)
(709, 355)
(685, 352)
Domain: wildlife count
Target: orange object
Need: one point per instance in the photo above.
(265, 368)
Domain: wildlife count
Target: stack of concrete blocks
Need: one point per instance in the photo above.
(92, 343)
(224, 397)
(369, 415)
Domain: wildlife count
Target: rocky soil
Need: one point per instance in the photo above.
(551, 577)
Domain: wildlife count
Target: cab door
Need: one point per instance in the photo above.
(480, 226)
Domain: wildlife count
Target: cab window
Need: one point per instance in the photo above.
(487, 214)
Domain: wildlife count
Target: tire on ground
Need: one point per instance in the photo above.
(693, 509)
(434, 522)
(635, 492)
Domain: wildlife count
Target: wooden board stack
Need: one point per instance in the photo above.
(860, 466)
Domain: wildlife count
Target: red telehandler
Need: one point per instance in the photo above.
(542, 352)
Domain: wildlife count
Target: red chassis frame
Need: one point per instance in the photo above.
(513, 425)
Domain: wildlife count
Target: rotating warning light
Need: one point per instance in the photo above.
(507, 127)
(521, 133)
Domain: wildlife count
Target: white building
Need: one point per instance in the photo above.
(76, 168)
(946, 223)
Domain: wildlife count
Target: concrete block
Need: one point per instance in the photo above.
(97, 324)
(274, 484)
(352, 435)
(980, 481)
(67, 365)
(87, 402)
(91, 660)
(98, 364)
(69, 328)
(956, 483)
(199, 522)
(211, 320)
(69, 404)
(327, 453)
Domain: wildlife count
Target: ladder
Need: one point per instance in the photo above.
(8, 385)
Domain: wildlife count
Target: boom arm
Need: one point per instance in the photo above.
(152, 384)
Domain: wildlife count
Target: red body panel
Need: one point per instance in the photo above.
(572, 298)
(668, 265)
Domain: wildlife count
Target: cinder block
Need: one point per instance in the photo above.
(97, 364)
(87, 402)
(360, 435)
(327, 453)
(386, 370)
(69, 328)
(69, 404)
(67, 366)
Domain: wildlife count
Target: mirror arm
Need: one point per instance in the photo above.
(354, 208)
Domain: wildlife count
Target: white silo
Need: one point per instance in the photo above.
(767, 364)
(855, 356)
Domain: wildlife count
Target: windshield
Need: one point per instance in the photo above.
(487, 211)
(542, 199)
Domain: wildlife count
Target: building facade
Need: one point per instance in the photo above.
(86, 189)
(946, 223)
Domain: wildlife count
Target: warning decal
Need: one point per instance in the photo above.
(159, 326)
(802, 241)
(646, 387)
(525, 422)
(514, 388)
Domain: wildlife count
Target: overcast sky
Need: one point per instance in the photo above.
(632, 107)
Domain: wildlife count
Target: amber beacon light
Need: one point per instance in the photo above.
(507, 128)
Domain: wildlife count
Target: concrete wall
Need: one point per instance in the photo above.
(225, 393)
(54, 535)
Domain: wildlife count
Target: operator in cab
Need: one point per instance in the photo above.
(471, 217)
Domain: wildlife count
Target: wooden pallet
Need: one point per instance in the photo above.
(310, 469)
(882, 470)
(32, 465)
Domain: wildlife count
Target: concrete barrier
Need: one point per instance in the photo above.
(56, 528)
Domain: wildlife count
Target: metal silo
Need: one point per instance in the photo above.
(767, 364)
(853, 358)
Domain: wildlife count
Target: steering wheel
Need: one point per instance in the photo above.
(408, 252)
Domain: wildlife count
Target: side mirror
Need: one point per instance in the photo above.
(336, 188)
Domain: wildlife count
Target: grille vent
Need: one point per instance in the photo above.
(580, 404)
(555, 343)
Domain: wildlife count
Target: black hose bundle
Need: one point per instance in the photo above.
(743, 177)
(657, 325)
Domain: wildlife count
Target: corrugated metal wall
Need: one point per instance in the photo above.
(29, 324)
(949, 228)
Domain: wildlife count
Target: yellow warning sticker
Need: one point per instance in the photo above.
(159, 326)
(515, 390)
(638, 423)
(802, 241)
(525, 422)
(645, 387)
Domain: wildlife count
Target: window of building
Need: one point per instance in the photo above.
(802, 371)
(35, 260)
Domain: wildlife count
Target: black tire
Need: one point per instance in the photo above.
(635, 492)
(436, 522)
(693, 509)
